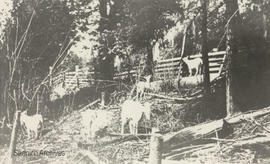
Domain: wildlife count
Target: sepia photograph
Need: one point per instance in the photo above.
(134, 82)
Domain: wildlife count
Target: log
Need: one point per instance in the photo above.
(244, 116)
(189, 134)
(190, 81)
(253, 141)
(173, 98)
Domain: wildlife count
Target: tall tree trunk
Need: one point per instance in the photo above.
(204, 49)
(148, 69)
(103, 15)
(106, 61)
(231, 51)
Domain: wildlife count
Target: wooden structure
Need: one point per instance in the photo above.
(164, 69)
(169, 68)
(70, 79)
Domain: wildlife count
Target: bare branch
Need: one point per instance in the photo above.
(19, 52)
(24, 95)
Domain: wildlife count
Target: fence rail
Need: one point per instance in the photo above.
(168, 68)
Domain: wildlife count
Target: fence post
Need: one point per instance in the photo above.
(155, 156)
(13, 140)
(50, 76)
(64, 79)
(77, 75)
(103, 98)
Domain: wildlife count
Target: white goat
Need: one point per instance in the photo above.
(155, 86)
(132, 112)
(193, 64)
(147, 85)
(95, 121)
(58, 93)
(32, 124)
(141, 86)
(87, 120)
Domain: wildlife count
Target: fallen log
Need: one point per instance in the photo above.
(190, 81)
(253, 141)
(251, 114)
(189, 134)
(236, 140)
(174, 98)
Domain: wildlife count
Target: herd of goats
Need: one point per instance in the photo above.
(96, 122)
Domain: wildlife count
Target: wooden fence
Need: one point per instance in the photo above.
(164, 69)
(169, 68)
(80, 77)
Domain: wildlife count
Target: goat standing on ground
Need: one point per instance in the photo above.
(132, 112)
(32, 124)
(87, 120)
(96, 122)
(193, 64)
(58, 93)
(147, 85)
(141, 86)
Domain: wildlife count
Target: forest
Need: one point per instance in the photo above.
(134, 81)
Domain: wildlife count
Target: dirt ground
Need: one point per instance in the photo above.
(66, 143)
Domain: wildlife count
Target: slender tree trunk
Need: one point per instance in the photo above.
(204, 49)
(264, 26)
(231, 50)
(6, 102)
